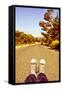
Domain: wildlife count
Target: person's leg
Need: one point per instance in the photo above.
(41, 78)
(31, 78)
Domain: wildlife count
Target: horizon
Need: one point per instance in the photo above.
(30, 33)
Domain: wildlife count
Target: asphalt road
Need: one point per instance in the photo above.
(24, 56)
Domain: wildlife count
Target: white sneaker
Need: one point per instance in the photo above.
(33, 66)
(42, 66)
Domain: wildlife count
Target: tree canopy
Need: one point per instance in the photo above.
(51, 27)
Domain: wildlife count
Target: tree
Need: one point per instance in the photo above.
(51, 27)
(23, 38)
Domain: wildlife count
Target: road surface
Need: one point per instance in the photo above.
(24, 56)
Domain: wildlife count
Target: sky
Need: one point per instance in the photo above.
(27, 20)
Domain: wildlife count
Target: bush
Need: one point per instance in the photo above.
(55, 44)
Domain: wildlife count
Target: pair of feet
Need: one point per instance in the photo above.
(37, 68)
(37, 72)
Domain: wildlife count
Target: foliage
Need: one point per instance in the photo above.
(23, 38)
(54, 44)
(52, 28)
